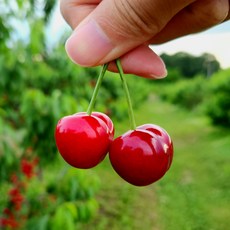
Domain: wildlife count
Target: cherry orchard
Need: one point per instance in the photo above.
(141, 156)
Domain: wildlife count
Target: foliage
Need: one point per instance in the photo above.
(211, 95)
(66, 203)
(186, 93)
(218, 103)
(197, 182)
(190, 66)
(36, 89)
(9, 149)
(38, 86)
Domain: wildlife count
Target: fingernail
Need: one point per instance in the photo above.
(88, 44)
(161, 75)
(161, 71)
(143, 61)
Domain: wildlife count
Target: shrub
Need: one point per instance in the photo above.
(187, 93)
(218, 103)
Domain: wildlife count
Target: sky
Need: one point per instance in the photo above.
(215, 41)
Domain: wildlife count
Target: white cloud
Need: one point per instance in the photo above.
(217, 44)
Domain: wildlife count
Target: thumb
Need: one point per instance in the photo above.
(115, 27)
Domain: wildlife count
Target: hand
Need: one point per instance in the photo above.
(106, 30)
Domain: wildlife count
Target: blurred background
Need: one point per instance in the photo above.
(39, 85)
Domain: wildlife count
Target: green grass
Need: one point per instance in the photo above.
(193, 195)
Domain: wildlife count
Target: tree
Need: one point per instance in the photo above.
(191, 66)
(218, 100)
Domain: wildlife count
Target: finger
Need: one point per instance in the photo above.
(228, 16)
(196, 17)
(142, 61)
(115, 27)
(74, 11)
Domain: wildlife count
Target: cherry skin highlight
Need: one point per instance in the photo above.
(142, 156)
(163, 136)
(107, 121)
(83, 140)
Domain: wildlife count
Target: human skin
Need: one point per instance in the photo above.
(104, 30)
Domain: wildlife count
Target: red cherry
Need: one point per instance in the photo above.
(164, 136)
(83, 140)
(142, 156)
(107, 121)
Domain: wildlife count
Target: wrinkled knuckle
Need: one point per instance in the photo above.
(139, 19)
(214, 13)
(64, 9)
(69, 9)
(218, 16)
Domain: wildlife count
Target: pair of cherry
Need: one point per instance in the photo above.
(141, 156)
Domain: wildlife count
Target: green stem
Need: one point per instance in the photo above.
(95, 92)
(128, 98)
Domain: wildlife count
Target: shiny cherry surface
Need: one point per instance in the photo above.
(163, 136)
(83, 140)
(107, 121)
(142, 156)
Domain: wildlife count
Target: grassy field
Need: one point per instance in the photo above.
(193, 195)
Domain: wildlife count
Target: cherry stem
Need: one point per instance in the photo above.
(96, 89)
(127, 94)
